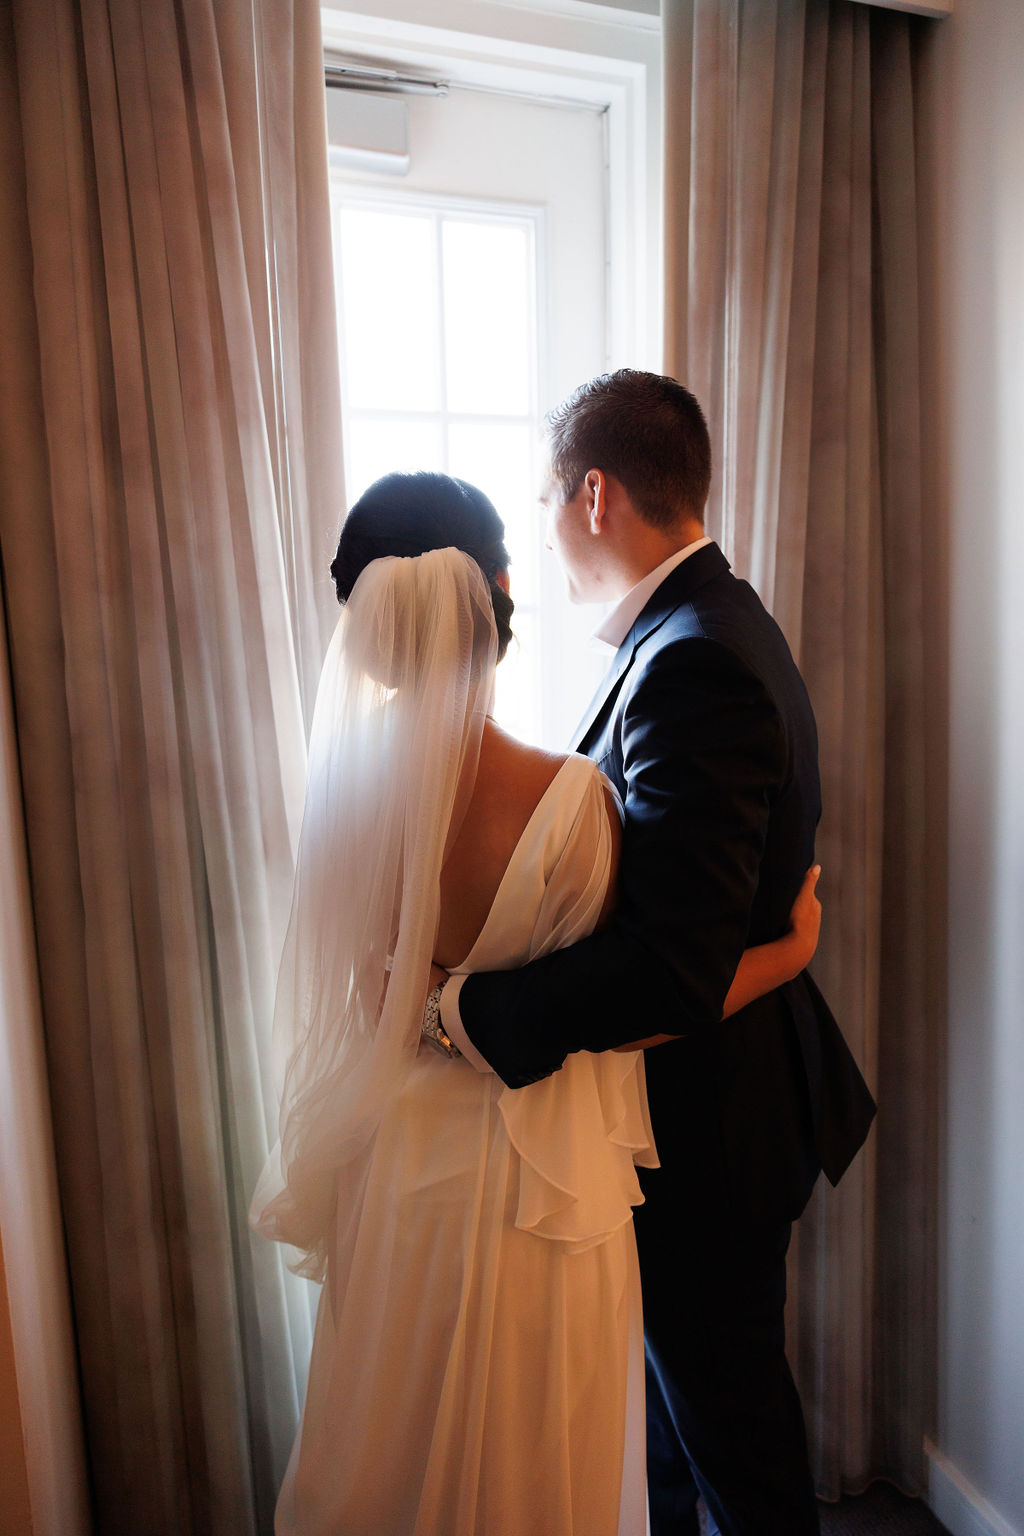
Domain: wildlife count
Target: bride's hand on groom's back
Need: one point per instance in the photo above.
(805, 920)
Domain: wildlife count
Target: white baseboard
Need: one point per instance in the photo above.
(959, 1506)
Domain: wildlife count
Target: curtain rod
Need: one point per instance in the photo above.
(364, 77)
(358, 77)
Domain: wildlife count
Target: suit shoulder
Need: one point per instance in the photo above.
(729, 613)
(683, 662)
(711, 665)
(685, 641)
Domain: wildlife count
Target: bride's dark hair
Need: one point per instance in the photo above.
(408, 514)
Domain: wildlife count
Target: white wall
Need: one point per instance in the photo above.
(974, 112)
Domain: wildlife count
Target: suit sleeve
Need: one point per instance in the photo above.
(703, 755)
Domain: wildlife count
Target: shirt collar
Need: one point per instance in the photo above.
(616, 625)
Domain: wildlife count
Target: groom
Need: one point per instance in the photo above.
(704, 725)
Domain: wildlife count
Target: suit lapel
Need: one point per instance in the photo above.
(702, 566)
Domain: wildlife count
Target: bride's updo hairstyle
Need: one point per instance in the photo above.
(409, 514)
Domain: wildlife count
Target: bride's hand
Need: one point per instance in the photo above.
(767, 966)
(805, 919)
(438, 977)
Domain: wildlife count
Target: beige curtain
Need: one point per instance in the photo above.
(792, 313)
(170, 482)
(43, 1491)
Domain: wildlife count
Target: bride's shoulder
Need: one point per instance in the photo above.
(505, 758)
(514, 777)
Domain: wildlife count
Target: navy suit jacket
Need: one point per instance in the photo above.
(704, 725)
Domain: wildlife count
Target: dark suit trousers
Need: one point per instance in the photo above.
(723, 1415)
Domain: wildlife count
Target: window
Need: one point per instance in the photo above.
(542, 146)
(439, 371)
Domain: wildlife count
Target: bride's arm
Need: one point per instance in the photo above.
(767, 966)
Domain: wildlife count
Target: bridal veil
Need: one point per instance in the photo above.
(393, 754)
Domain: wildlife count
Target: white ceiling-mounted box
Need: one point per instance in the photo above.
(367, 131)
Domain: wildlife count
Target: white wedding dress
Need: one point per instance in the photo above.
(477, 1367)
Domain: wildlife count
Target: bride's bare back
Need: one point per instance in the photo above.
(510, 782)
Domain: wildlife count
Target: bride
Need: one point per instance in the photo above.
(477, 1367)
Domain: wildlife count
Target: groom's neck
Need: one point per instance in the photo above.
(641, 548)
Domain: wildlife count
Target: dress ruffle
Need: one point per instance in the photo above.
(579, 1137)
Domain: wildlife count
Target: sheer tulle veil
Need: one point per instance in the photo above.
(393, 754)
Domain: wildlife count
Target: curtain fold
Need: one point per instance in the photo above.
(180, 431)
(791, 311)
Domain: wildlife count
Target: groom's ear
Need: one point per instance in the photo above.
(597, 499)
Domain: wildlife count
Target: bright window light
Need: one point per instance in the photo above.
(389, 319)
(488, 316)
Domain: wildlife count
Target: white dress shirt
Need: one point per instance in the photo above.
(610, 633)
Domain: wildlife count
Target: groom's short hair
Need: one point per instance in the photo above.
(646, 430)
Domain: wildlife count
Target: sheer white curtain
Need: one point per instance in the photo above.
(171, 483)
(792, 313)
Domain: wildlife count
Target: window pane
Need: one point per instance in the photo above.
(388, 314)
(498, 459)
(377, 447)
(487, 317)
